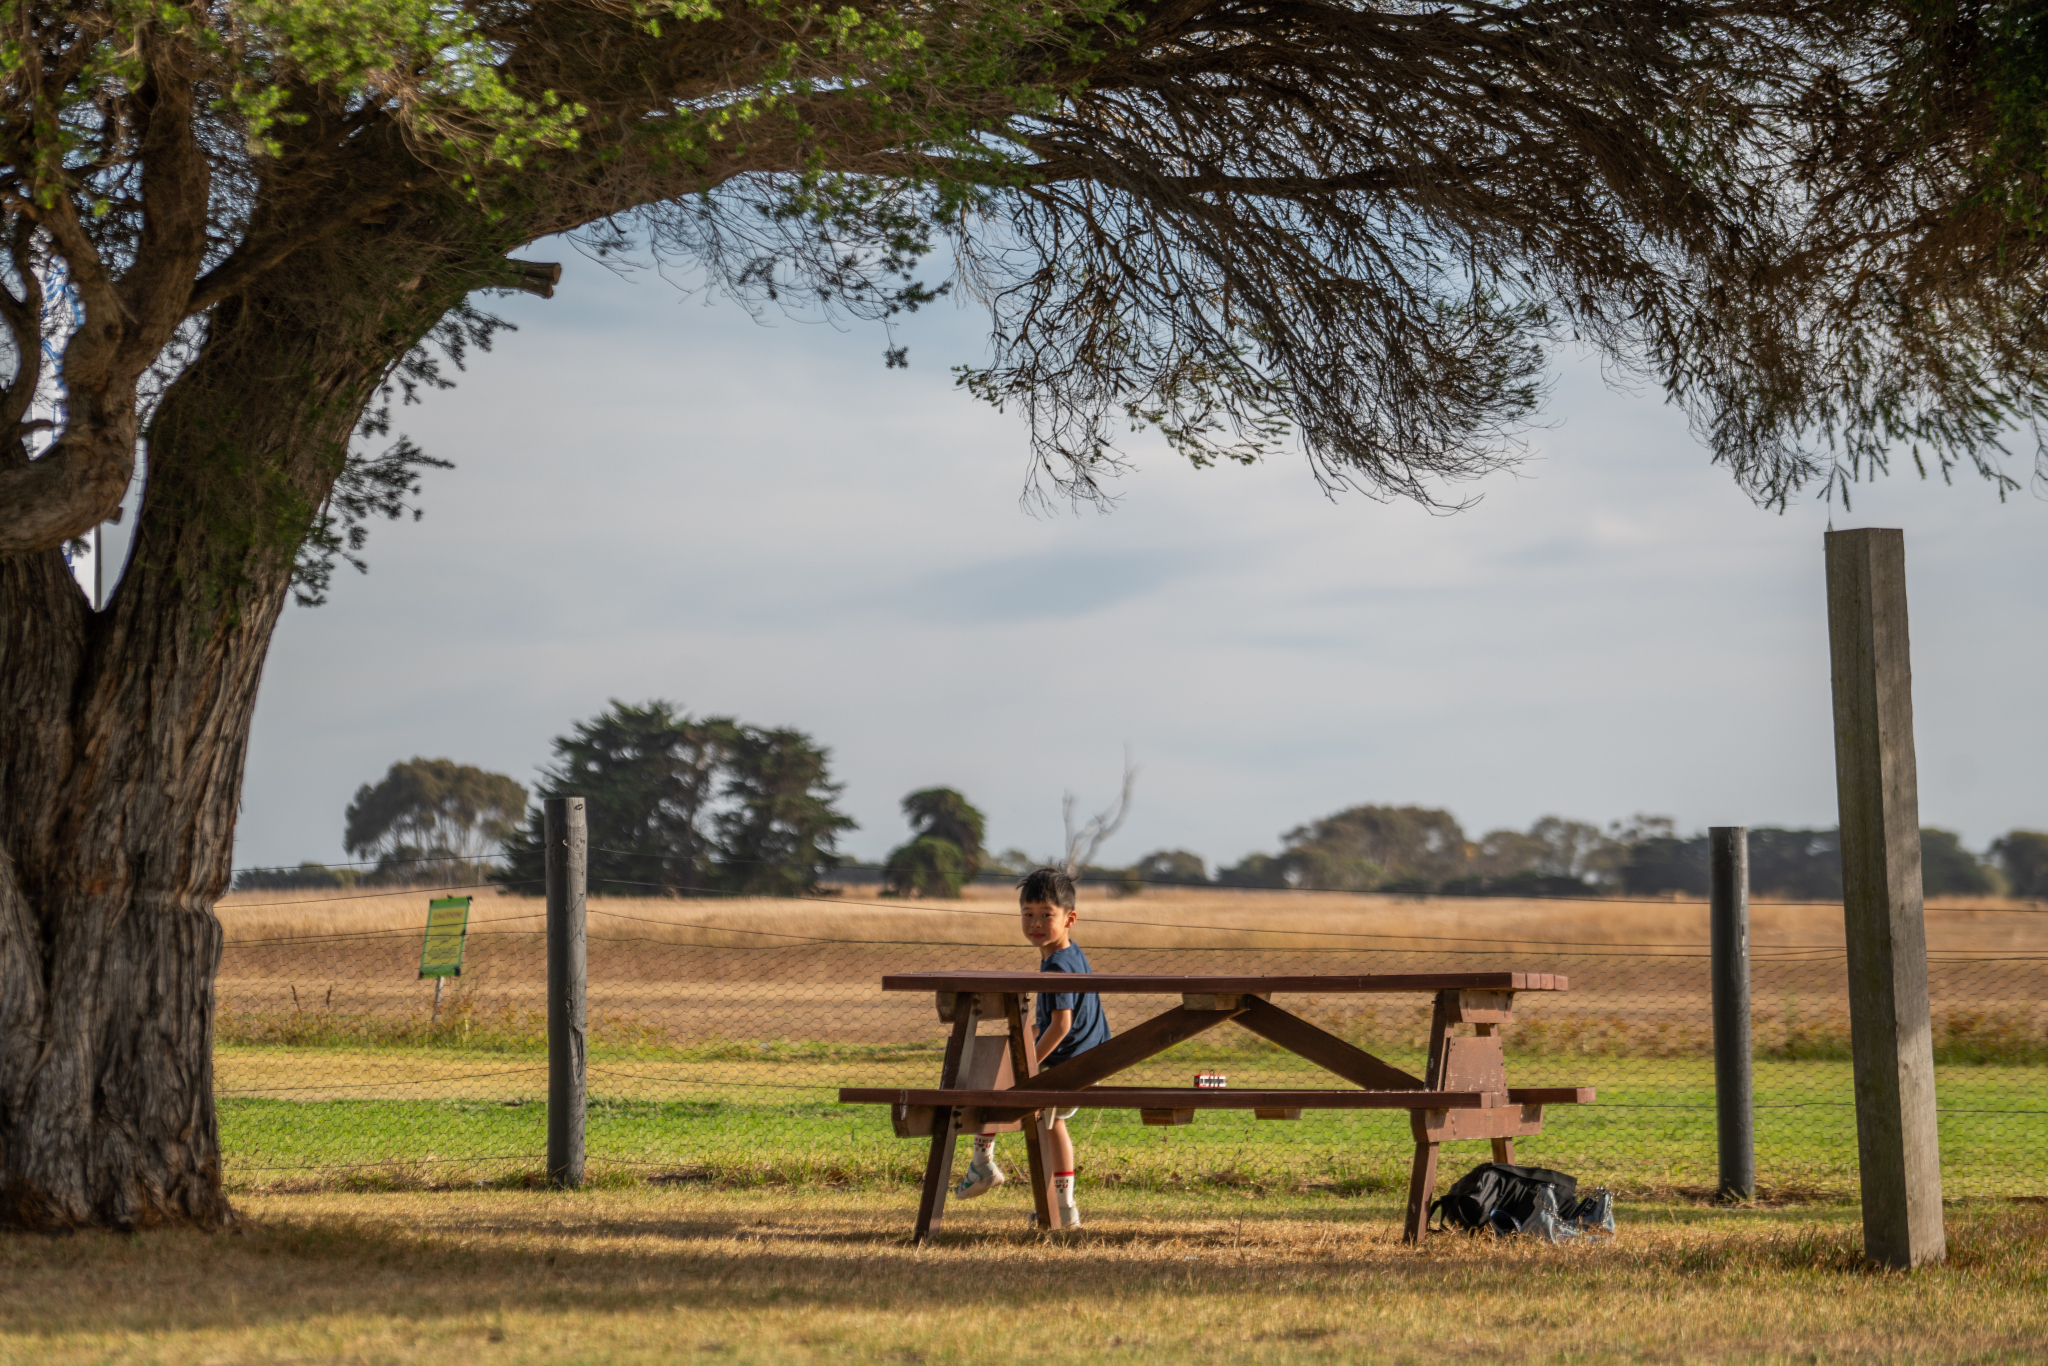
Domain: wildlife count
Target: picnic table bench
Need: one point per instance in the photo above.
(991, 1084)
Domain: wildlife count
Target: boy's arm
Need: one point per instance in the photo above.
(1061, 1024)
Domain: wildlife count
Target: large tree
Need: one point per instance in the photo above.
(1347, 224)
(433, 820)
(691, 806)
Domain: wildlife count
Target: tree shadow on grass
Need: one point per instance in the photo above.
(465, 1263)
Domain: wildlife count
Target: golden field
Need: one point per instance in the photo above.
(1162, 918)
(672, 972)
(818, 1276)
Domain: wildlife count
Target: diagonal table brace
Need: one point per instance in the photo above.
(1323, 1048)
(1127, 1049)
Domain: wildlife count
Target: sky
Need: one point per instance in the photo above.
(659, 497)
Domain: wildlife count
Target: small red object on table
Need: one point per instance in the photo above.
(987, 1087)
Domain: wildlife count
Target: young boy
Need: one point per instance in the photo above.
(1068, 1023)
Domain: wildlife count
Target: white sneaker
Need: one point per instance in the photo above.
(1070, 1216)
(980, 1179)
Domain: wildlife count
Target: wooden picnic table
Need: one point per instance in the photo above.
(991, 1084)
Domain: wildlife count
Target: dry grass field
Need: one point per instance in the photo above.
(1169, 917)
(799, 1277)
(691, 971)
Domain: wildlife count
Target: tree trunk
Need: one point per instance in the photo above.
(122, 768)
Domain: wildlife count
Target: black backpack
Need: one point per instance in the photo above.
(1503, 1198)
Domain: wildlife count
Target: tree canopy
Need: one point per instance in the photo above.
(944, 850)
(428, 812)
(2022, 858)
(1352, 225)
(688, 806)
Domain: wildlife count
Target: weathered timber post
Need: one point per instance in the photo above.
(1734, 1100)
(568, 866)
(1891, 1041)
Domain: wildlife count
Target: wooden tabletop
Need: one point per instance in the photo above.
(1174, 984)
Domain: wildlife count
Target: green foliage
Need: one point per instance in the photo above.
(778, 831)
(944, 852)
(927, 866)
(307, 876)
(1948, 869)
(433, 820)
(1255, 870)
(692, 807)
(2022, 855)
(1360, 848)
(942, 813)
(2002, 50)
(455, 84)
(1171, 868)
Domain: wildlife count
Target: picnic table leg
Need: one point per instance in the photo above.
(1037, 1128)
(1503, 1148)
(1422, 1176)
(1421, 1186)
(938, 1167)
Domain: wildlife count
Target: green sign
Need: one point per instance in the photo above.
(447, 928)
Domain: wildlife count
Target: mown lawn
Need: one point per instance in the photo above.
(407, 1117)
(827, 1276)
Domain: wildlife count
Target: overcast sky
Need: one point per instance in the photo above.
(655, 498)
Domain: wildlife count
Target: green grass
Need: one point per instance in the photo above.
(755, 1115)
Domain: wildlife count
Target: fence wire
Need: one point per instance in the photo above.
(720, 1061)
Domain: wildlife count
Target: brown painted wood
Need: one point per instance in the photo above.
(1507, 1121)
(1133, 1046)
(992, 1070)
(1323, 1048)
(911, 1121)
(1439, 1031)
(938, 1166)
(1421, 1189)
(1120, 1097)
(1166, 1117)
(1023, 1053)
(1484, 1007)
(1422, 1172)
(1463, 1094)
(1475, 1064)
(1176, 984)
(1011, 1103)
(1551, 1095)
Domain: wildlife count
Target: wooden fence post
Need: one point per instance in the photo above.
(568, 874)
(1734, 1100)
(1891, 1038)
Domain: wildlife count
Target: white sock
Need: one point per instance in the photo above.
(1063, 1189)
(984, 1150)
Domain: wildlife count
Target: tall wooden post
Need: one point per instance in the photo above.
(568, 875)
(1876, 784)
(1734, 1101)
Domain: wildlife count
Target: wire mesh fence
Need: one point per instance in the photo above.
(716, 1055)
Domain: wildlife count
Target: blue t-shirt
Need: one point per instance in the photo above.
(1091, 1026)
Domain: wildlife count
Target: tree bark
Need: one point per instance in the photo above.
(120, 777)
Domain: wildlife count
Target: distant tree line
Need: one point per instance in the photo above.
(711, 806)
(1418, 850)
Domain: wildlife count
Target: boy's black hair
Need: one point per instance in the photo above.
(1049, 885)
